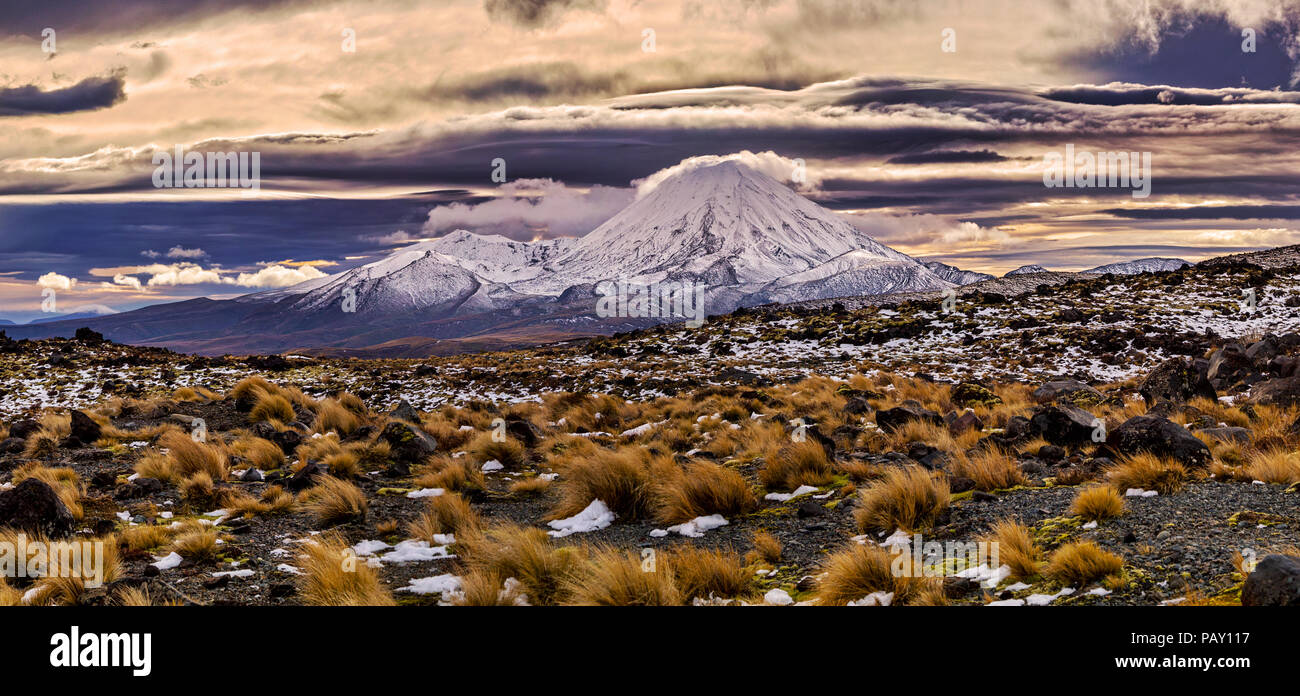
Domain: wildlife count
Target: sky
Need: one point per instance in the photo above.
(930, 124)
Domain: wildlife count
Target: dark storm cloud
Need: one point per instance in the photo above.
(947, 156)
(537, 13)
(1211, 212)
(28, 18)
(1129, 94)
(89, 94)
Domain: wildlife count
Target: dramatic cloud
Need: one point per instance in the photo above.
(529, 208)
(89, 94)
(54, 281)
(537, 13)
(782, 169)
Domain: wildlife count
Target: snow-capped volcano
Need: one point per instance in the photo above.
(723, 225)
(499, 259)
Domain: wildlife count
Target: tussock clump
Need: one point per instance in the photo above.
(65, 482)
(1274, 466)
(250, 388)
(796, 464)
(990, 470)
(1097, 504)
(534, 485)
(67, 575)
(198, 490)
(156, 465)
(703, 488)
(482, 589)
(509, 452)
(525, 553)
(334, 501)
(140, 597)
(195, 394)
(767, 547)
(708, 573)
(332, 415)
(1148, 472)
(260, 453)
(344, 465)
(620, 479)
(444, 514)
(1081, 562)
(271, 407)
(906, 498)
(197, 543)
(145, 537)
(615, 578)
(458, 475)
(333, 576)
(1016, 548)
(190, 457)
(860, 570)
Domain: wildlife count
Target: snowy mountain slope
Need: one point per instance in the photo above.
(722, 223)
(955, 275)
(497, 258)
(1153, 264)
(1031, 268)
(854, 273)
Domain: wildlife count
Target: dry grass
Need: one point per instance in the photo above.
(146, 536)
(444, 514)
(861, 569)
(1081, 562)
(620, 479)
(1016, 548)
(703, 488)
(990, 470)
(906, 498)
(1274, 466)
(767, 547)
(334, 576)
(334, 501)
(333, 415)
(1148, 472)
(708, 573)
(197, 543)
(510, 550)
(796, 464)
(1097, 503)
(614, 578)
(452, 475)
(65, 482)
(189, 457)
(67, 585)
(140, 597)
(250, 387)
(482, 589)
(271, 407)
(198, 490)
(344, 465)
(261, 454)
(533, 485)
(509, 452)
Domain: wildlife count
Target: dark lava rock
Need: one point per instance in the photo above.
(405, 412)
(305, 477)
(252, 475)
(749, 379)
(12, 445)
(1068, 390)
(927, 456)
(964, 422)
(857, 405)
(1176, 380)
(525, 431)
(1229, 365)
(1051, 453)
(34, 507)
(810, 508)
(1275, 582)
(956, 588)
(895, 418)
(1161, 437)
(408, 443)
(1228, 434)
(1063, 425)
(1284, 391)
(86, 335)
(960, 484)
(84, 428)
(24, 429)
(288, 440)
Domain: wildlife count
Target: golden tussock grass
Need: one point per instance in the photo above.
(1148, 472)
(69, 572)
(1081, 562)
(907, 498)
(140, 597)
(1274, 466)
(509, 452)
(615, 578)
(334, 416)
(197, 543)
(796, 464)
(261, 454)
(1016, 548)
(460, 475)
(189, 457)
(990, 470)
(509, 550)
(199, 394)
(707, 573)
(271, 407)
(621, 479)
(861, 569)
(702, 488)
(146, 536)
(482, 589)
(533, 485)
(344, 465)
(333, 576)
(1097, 504)
(937, 436)
(767, 547)
(444, 514)
(334, 501)
(250, 387)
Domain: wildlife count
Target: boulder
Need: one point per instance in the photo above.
(1284, 391)
(24, 429)
(964, 422)
(857, 405)
(1161, 437)
(969, 394)
(1275, 582)
(33, 506)
(1063, 425)
(1176, 380)
(1228, 366)
(895, 418)
(525, 431)
(84, 428)
(408, 443)
(1228, 434)
(405, 412)
(1068, 390)
(306, 477)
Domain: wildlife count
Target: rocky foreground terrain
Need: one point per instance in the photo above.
(1123, 440)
